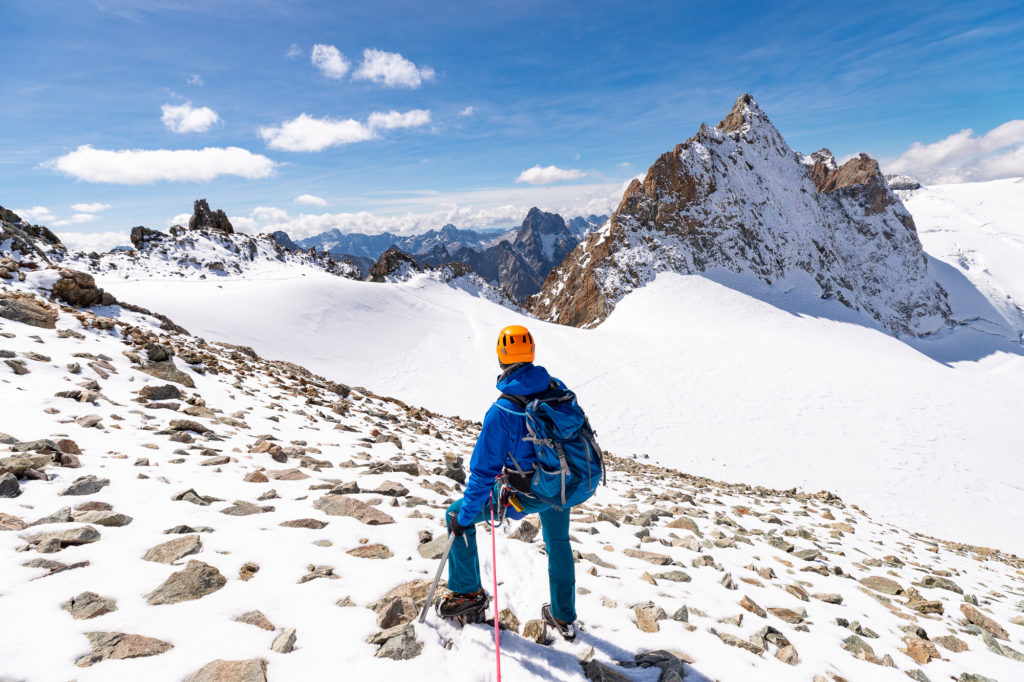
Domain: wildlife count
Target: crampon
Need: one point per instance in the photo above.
(465, 608)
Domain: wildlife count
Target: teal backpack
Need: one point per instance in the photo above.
(569, 464)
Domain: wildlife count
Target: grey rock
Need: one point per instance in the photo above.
(601, 672)
(433, 549)
(398, 643)
(397, 611)
(173, 550)
(109, 519)
(251, 670)
(163, 392)
(9, 486)
(194, 582)
(285, 642)
(648, 615)
(85, 485)
(243, 508)
(343, 505)
(525, 531)
(120, 645)
(28, 311)
(89, 605)
(66, 538)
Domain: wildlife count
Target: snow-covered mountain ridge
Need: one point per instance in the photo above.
(190, 510)
(736, 198)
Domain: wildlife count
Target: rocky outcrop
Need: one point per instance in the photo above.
(205, 219)
(735, 197)
(394, 265)
(19, 237)
(902, 182)
(27, 310)
(142, 237)
(79, 289)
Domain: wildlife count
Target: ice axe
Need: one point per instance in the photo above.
(437, 578)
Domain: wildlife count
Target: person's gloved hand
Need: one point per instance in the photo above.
(456, 528)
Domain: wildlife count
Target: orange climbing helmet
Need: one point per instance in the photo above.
(515, 344)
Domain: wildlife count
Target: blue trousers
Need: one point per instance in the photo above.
(464, 563)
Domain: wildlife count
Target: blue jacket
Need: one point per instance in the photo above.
(502, 433)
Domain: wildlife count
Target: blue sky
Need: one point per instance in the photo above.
(480, 92)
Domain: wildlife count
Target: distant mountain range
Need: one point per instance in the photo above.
(515, 259)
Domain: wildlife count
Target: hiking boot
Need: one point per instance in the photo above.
(464, 606)
(566, 630)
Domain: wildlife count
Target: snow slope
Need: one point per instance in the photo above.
(713, 568)
(978, 228)
(715, 375)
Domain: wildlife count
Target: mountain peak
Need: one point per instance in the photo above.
(745, 114)
(736, 197)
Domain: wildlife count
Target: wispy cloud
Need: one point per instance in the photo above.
(329, 61)
(294, 51)
(195, 79)
(184, 118)
(308, 134)
(36, 214)
(145, 166)
(468, 111)
(548, 174)
(76, 219)
(96, 207)
(966, 156)
(391, 70)
(310, 200)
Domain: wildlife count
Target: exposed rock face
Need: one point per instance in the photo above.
(143, 236)
(28, 239)
(544, 240)
(27, 310)
(517, 267)
(394, 265)
(735, 197)
(79, 289)
(205, 219)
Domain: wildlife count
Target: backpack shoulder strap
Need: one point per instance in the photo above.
(519, 400)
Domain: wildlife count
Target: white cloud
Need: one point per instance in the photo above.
(548, 174)
(310, 200)
(90, 208)
(294, 51)
(182, 219)
(94, 241)
(195, 79)
(308, 134)
(390, 120)
(624, 164)
(184, 118)
(76, 219)
(329, 61)
(391, 70)
(144, 166)
(36, 214)
(468, 111)
(966, 156)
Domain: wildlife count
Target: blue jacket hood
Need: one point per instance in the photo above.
(524, 380)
